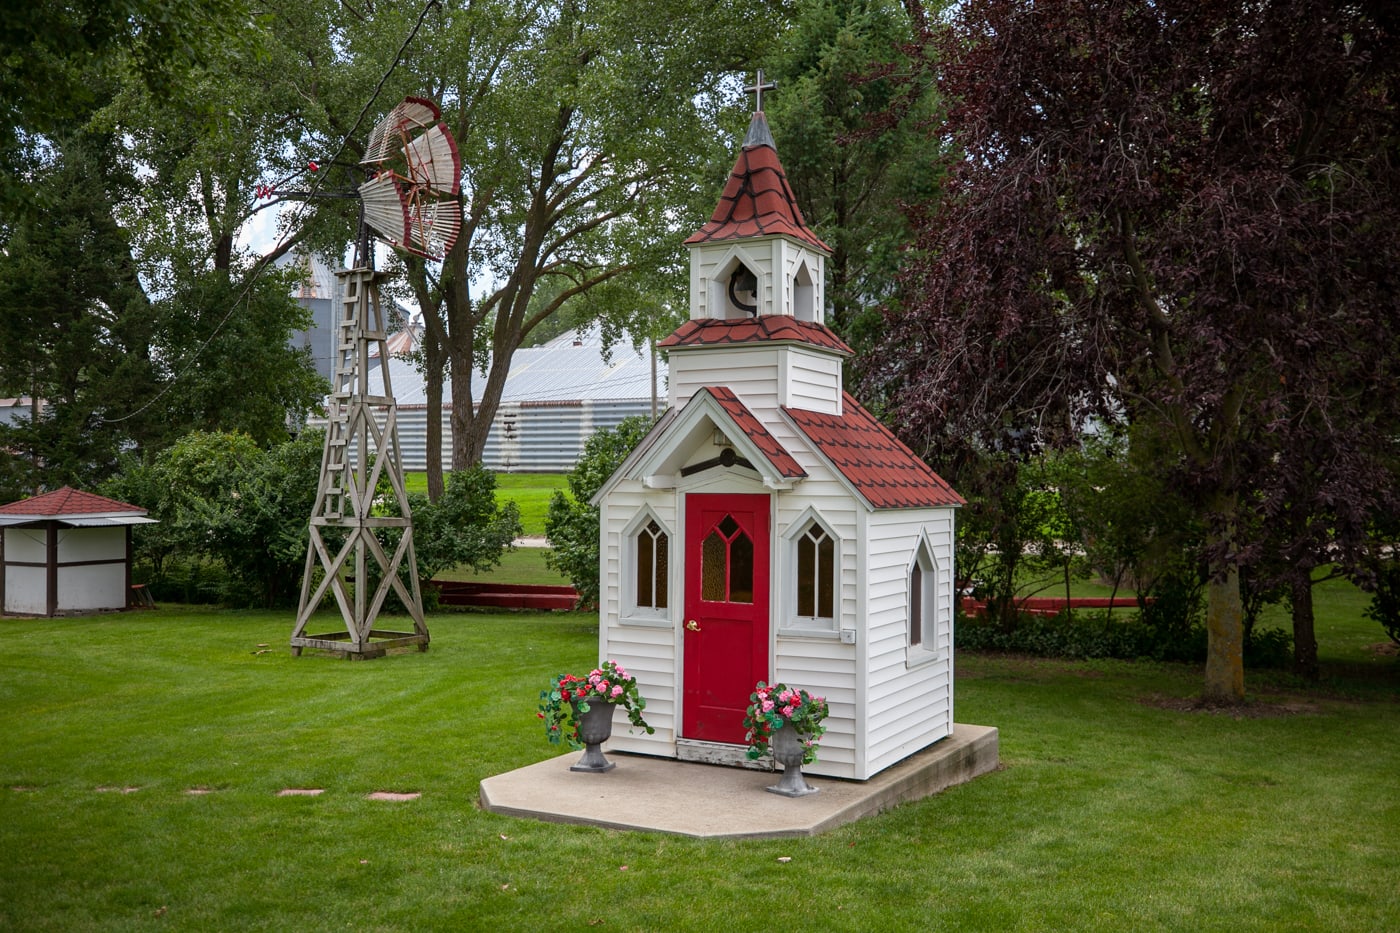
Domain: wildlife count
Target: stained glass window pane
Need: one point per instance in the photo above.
(826, 578)
(712, 568)
(916, 599)
(806, 575)
(645, 568)
(663, 568)
(729, 526)
(741, 569)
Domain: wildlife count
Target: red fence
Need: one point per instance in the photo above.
(1054, 605)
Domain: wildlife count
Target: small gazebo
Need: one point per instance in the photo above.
(66, 551)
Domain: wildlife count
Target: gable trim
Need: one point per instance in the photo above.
(660, 465)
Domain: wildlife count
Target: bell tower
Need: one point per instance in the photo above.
(757, 277)
(756, 257)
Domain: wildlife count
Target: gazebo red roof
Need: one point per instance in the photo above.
(68, 502)
(764, 328)
(757, 200)
(885, 472)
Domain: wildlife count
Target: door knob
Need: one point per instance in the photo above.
(693, 626)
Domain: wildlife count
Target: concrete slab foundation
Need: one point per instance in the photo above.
(688, 799)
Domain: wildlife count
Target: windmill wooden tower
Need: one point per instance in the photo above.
(357, 551)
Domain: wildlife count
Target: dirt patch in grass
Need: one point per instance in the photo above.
(1384, 649)
(1253, 709)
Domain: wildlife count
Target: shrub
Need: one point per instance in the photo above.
(1385, 601)
(1103, 635)
(466, 527)
(572, 523)
(222, 499)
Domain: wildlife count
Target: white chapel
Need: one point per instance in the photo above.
(769, 527)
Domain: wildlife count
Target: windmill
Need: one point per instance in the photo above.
(354, 553)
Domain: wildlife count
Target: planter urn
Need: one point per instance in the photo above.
(788, 751)
(595, 728)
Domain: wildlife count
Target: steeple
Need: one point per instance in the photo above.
(757, 275)
(757, 200)
(756, 257)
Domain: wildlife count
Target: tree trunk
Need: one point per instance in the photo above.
(465, 452)
(1225, 648)
(1304, 636)
(1224, 616)
(434, 360)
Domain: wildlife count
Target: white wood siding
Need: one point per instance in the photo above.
(646, 647)
(26, 590)
(81, 589)
(750, 371)
(813, 381)
(75, 544)
(825, 668)
(909, 697)
(27, 544)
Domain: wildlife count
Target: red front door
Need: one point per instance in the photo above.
(726, 612)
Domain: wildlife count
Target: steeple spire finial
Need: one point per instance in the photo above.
(757, 89)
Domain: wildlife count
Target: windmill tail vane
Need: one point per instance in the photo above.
(410, 200)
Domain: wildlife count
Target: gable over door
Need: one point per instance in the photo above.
(727, 559)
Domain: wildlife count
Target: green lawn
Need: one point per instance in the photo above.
(530, 491)
(522, 565)
(1115, 810)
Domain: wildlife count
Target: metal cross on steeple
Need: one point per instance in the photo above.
(757, 90)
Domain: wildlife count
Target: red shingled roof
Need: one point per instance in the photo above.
(745, 420)
(67, 502)
(757, 201)
(765, 328)
(884, 471)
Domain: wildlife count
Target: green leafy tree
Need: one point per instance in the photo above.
(572, 523)
(1384, 608)
(848, 119)
(1177, 211)
(221, 497)
(118, 272)
(579, 126)
(75, 322)
(261, 535)
(54, 59)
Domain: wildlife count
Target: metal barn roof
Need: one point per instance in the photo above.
(570, 368)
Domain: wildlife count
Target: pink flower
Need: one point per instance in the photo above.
(787, 711)
(767, 706)
(616, 691)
